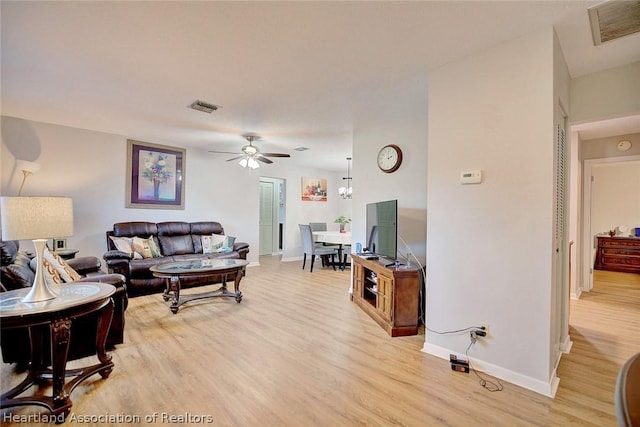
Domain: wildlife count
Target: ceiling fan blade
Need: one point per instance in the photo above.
(224, 152)
(275, 155)
(262, 159)
(234, 158)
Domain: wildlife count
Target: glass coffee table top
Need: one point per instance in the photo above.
(198, 265)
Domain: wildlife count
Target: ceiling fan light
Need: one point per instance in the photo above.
(243, 163)
(253, 164)
(249, 149)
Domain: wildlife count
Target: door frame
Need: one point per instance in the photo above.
(280, 209)
(588, 249)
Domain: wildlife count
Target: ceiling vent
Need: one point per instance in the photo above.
(204, 106)
(614, 19)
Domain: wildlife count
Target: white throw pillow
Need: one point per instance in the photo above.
(55, 270)
(146, 248)
(217, 243)
(124, 244)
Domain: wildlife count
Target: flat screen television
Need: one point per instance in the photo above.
(382, 229)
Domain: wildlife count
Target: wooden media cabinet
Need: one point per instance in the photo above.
(389, 295)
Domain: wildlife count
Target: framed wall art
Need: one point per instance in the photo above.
(314, 189)
(155, 176)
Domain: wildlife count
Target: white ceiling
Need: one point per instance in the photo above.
(296, 73)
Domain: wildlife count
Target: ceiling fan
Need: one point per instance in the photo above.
(250, 155)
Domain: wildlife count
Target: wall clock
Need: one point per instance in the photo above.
(624, 145)
(389, 158)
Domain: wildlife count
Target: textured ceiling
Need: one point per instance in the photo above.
(296, 73)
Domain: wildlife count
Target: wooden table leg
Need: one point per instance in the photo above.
(175, 289)
(60, 336)
(236, 285)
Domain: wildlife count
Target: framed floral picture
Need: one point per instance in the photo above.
(314, 189)
(155, 176)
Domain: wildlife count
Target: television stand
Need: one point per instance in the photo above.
(389, 295)
(386, 262)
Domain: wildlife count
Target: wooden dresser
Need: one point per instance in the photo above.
(618, 254)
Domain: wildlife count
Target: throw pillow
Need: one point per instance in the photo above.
(217, 241)
(49, 274)
(155, 250)
(227, 244)
(146, 248)
(214, 242)
(206, 244)
(124, 244)
(65, 271)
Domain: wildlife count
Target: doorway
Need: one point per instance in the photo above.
(594, 201)
(272, 215)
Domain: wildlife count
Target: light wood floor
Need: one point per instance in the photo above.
(298, 352)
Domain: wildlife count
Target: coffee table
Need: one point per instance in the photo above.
(229, 269)
(55, 316)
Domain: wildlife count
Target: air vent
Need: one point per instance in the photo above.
(204, 106)
(614, 19)
(301, 149)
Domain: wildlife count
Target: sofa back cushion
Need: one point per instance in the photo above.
(8, 251)
(131, 229)
(143, 230)
(204, 228)
(175, 238)
(15, 272)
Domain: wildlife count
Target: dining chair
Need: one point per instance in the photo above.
(372, 242)
(309, 247)
(318, 226)
(322, 226)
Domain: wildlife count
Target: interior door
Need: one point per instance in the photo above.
(267, 209)
(560, 258)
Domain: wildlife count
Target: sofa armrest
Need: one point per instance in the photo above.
(115, 254)
(118, 263)
(85, 265)
(242, 248)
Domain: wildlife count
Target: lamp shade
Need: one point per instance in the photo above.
(36, 217)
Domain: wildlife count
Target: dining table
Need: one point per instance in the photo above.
(336, 238)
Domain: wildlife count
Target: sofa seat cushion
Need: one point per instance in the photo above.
(140, 267)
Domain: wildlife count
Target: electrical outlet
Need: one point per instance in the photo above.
(486, 327)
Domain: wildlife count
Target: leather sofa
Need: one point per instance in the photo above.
(15, 273)
(176, 241)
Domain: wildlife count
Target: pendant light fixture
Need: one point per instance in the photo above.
(346, 192)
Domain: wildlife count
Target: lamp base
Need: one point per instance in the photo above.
(39, 291)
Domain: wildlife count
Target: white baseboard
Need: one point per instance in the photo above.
(565, 347)
(545, 388)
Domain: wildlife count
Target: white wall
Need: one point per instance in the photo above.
(615, 196)
(607, 94)
(90, 167)
(601, 148)
(489, 246)
(393, 123)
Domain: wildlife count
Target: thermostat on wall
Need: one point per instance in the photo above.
(471, 177)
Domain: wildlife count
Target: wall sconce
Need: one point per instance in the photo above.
(27, 169)
(346, 192)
